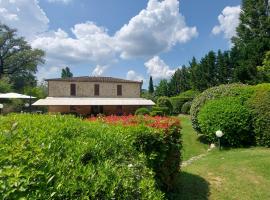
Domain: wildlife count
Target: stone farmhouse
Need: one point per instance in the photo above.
(94, 95)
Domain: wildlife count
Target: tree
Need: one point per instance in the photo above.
(162, 88)
(151, 86)
(174, 84)
(264, 70)
(5, 85)
(252, 40)
(66, 73)
(18, 61)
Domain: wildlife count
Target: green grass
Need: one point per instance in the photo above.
(191, 144)
(240, 174)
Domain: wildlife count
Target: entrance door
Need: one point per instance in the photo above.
(97, 110)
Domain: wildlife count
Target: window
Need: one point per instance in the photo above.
(96, 90)
(119, 90)
(73, 89)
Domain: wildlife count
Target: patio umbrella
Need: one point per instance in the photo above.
(15, 96)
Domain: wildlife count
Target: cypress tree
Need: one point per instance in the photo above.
(151, 86)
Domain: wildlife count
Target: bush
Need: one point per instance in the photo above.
(242, 91)
(142, 111)
(178, 103)
(160, 111)
(231, 117)
(260, 107)
(191, 94)
(61, 157)
(165, 102)
(186, 107)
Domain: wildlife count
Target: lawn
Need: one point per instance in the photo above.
(240, 174)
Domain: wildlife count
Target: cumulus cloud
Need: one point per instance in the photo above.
(90, 44)
(47, 72)
(60, 1)
(25, 15)
(158, 69)
(132, 75)
(228, 22)
(99, 70)
(154, 30)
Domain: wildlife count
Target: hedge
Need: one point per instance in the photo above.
(186, 107)
(178, 103)
(61, 157)
(231, 117)
(142, 111)
(242, 91)
(260, 107)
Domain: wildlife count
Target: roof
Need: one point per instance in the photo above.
(15, 96)
(81, 101)
(94, 79)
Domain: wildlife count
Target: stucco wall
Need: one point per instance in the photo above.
(86, 89)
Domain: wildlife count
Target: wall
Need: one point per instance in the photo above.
(86, 89)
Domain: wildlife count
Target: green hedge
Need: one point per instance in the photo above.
(186, 107)
(160, 111)
(242, 91)
(260, 107)
(191, 94)
(178, 103)
(231, 117)
(61, 157)
(142, 111)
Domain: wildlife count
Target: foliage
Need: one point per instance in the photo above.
(191, 94)
(151, 86)
(264, 70)
(162, 89)
(164, 102)
(5, 85)
(252, 39)
(40, 91)
(162, 150)
(186, 107)
(18, 61)
(142, 111)
(66, 73)
(232, 90)
(160, 111)
(177, 103)
(260, 107)
(231, 117)
(61, 157)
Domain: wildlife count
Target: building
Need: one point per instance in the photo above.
(93, 95)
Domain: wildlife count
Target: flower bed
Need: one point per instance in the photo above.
(158, 122)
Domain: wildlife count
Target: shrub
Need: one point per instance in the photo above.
(260, 107)
(242, 91)
(163, 102)
(191, 94)
(160, 111)
(186, 107)
(142, 111)
(178, 103)
(230, 116)
(61, 157)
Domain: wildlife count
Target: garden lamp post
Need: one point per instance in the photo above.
(219, 134)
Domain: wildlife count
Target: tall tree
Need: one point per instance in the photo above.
(252, 39)
(18, 61)
(264, 70)
(66, 73)
(174, 84)
(194, 76)
(151, 86)
(162, 88)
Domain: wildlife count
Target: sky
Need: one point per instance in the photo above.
(122, 38)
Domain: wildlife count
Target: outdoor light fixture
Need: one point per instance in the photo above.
(219, 134)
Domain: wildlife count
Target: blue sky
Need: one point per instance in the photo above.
(122, 38)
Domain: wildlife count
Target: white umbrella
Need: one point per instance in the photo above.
(15, 96)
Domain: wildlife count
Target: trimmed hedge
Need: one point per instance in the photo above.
(186, 107)
(242, 91)
(178, 103)
(160, 111)
(142, 111)
(231, 117)
(191, 94)
(260, 107)
(61, 157)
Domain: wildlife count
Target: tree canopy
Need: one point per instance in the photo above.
(66, 73)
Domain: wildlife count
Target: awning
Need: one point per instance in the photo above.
(81, 101)
(15, 96)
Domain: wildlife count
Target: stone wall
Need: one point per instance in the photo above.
(86, 89)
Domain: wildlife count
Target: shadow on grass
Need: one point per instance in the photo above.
(190, 187)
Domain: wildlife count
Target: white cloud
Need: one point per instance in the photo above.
(132, 75)
(228, 22)
(154, 30)
(48, 72)
(158, 69)
(91, 44)
(60, 1)
(25, 15)
(99, 70)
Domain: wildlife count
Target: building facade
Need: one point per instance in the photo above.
(93, 95)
